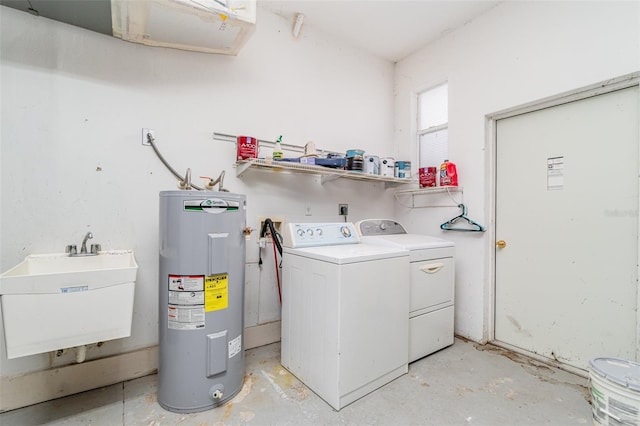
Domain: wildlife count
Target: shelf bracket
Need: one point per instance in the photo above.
(242, 167)
(428, 191)
(388, 185)
(328, 178)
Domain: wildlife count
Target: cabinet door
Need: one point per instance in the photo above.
(430, 332)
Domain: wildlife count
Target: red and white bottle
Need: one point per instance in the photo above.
(448, 174)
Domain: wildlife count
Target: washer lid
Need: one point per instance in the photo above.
(350, 253)
(410, 241)
(621, 371)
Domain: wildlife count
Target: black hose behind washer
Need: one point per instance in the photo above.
(274, 235)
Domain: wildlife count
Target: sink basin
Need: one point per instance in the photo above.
(56, 273)
(54, 301)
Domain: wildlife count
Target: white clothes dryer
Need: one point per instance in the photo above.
(344, 311)
(431, 313)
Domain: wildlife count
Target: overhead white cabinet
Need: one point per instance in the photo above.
(211, 26)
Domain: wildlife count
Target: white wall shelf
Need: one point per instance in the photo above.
(326, 173)
(428, 191)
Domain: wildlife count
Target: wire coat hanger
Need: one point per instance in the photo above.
(474, 227)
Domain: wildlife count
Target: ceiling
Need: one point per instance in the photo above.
(390, 29)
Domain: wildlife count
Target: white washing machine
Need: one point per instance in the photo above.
(431, 312)
(344, 311)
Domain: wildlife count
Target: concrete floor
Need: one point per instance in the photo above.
(464, 384)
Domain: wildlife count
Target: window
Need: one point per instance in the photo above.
(433, 126)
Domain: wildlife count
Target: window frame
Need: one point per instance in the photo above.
(432, 129)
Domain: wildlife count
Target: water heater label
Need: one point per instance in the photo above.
(216, 292)
(186, 282)
(185, 317)
(211, 205)
(186, 302)
(186, 298)
(235, 346)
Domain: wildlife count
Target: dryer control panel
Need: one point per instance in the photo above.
(370, 227)
(298, 235)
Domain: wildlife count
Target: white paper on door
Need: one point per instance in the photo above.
(555, 173)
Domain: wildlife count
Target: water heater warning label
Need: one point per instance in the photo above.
(186, 298)
(185, 318)
(192, 296)
(186, 282)
(186, 302)
(216, 292)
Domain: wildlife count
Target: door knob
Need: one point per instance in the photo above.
(501, 244)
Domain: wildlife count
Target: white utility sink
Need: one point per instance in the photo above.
(57, 301)
(51, 273)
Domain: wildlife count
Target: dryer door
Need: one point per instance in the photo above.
(431, 285)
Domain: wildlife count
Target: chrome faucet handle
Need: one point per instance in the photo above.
(95, 248)
(71, 249)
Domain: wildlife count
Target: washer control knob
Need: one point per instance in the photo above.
(310, 232)
(345, 231)
(300, 232)
(319, 231)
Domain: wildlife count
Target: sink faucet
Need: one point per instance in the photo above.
(95, 248)
(83, 249)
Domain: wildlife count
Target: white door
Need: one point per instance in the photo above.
(567, 209)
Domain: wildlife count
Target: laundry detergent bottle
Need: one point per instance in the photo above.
(448, 174)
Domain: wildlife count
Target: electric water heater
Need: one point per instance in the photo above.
(201, 321)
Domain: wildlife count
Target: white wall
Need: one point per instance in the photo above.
(516, 53)
(74, 102)
(73, 106)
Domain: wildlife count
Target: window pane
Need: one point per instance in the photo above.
(434, 148)
(433, 105)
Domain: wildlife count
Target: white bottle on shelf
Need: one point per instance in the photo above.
(277, 151)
